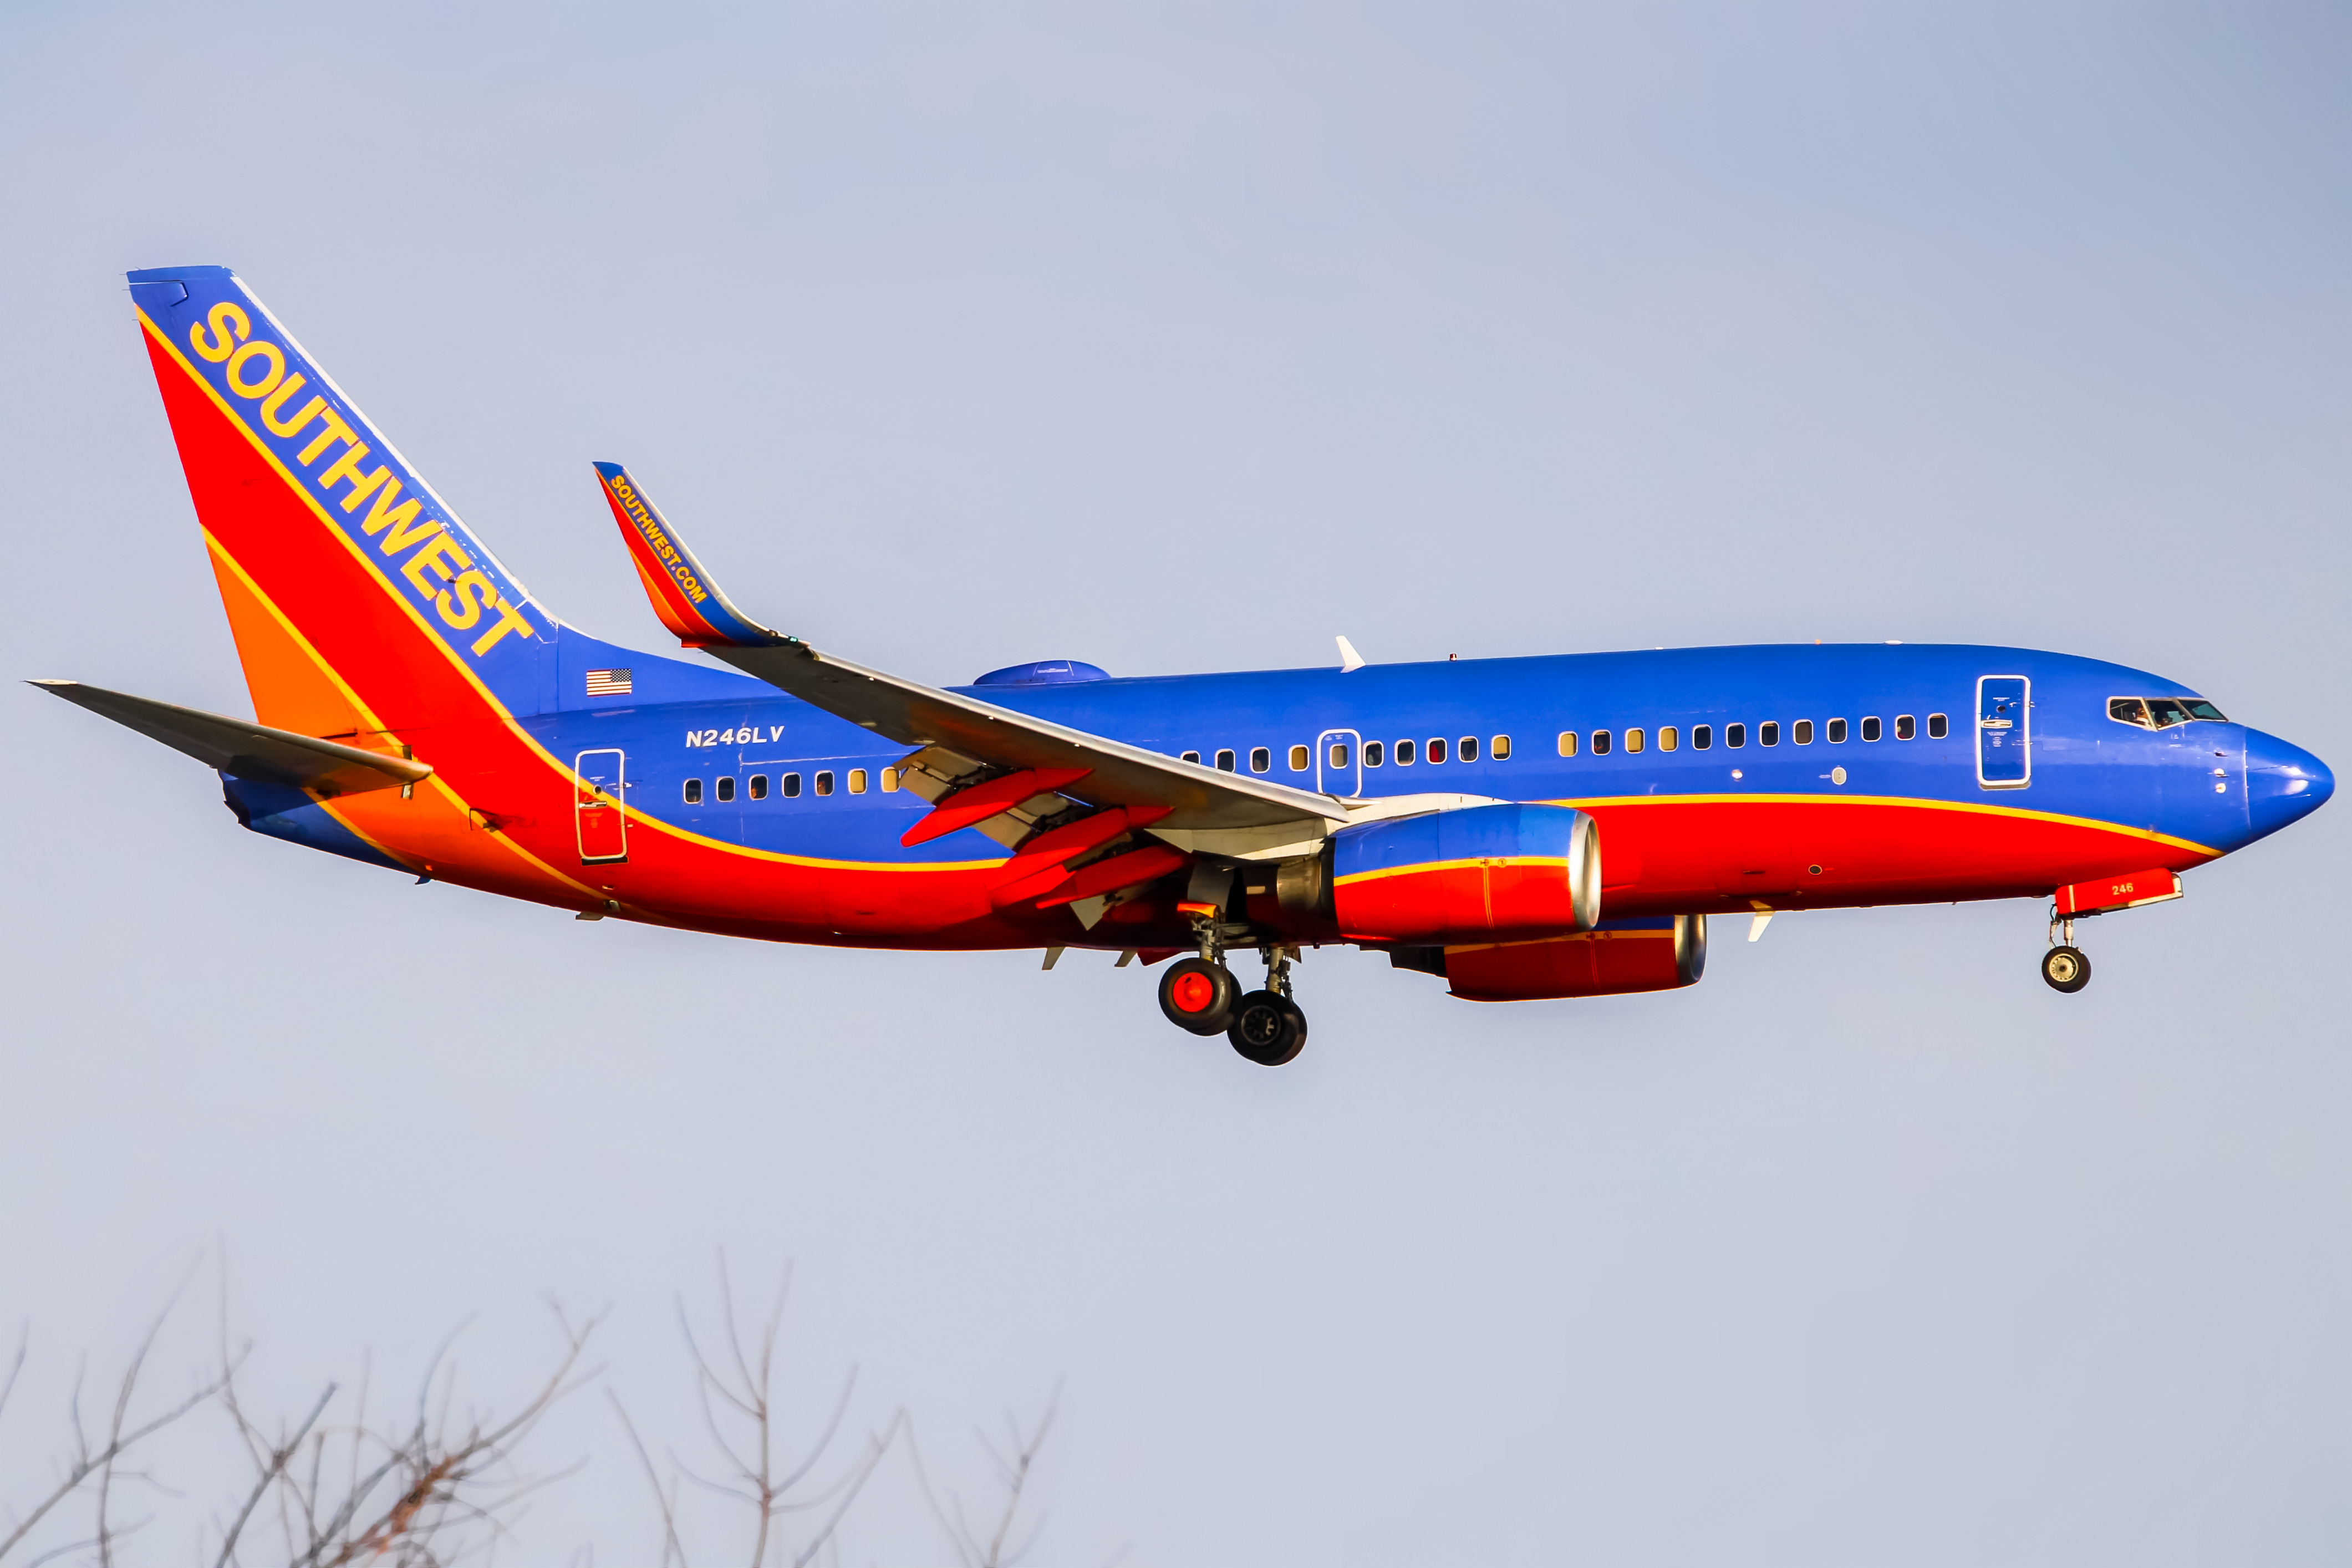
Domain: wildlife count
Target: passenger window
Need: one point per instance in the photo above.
(824, 783)
(1870, 729)
(1734, 735)
(791, 787)
(1437, 752)
(1297, 759)
(1669, 738)
(1338, 755)
(1404, 754)
(1224, 761)
(1905, 727)
(759, 786)
(1938, 726)
(1768, 733)
(1804, 733)
(1465, 749)
(694, 792)
(857, 781)
(1260, 760)
(1702, 737)
(726, 790)
(1499, 748)
(1190, 757)
(1568, 743)
(1373, 753)
(1837, 731)
(1633, 740)
(1599, 742)
(2164, 713)
(889, 781)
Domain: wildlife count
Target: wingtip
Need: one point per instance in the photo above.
(1349, 659)
(682, 592)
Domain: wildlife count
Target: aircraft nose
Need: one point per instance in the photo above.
(2284, 782)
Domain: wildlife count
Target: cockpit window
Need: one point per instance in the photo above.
(2162, 713)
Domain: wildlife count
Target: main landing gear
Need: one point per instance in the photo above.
(1200, 994)
(2065, 967)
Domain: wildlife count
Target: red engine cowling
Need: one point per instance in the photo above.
(1470, 875)
(1615, 959)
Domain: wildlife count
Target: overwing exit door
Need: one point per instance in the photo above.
(1339, 763)
(598, 785)
(2004, 724)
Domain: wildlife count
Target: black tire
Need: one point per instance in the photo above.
(1198, 995)
(1267, 1028)
(2066, 969)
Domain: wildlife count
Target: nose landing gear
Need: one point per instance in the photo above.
(2064, 967)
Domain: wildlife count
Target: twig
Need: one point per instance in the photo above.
(270, 1474)
(672, 1548)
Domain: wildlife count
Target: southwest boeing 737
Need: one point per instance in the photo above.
(1521, 828)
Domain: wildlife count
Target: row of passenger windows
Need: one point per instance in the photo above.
(1405, 754)
(1376, 753)
(756, 786)
(1768, 733)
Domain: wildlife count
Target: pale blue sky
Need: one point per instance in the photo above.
(1185, 337)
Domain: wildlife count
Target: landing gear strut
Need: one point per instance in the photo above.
(2065, 967)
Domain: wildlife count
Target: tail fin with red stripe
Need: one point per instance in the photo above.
(359, 599)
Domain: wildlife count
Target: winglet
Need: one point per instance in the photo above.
(689, 602)
(1349, 659)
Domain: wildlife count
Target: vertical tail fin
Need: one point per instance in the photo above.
(359, 600)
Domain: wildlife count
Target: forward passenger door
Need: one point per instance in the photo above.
(2004, 726)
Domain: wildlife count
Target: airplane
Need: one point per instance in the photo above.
(1521, 828)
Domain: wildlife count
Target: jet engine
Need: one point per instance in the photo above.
(1615, 959)
(1468, 874)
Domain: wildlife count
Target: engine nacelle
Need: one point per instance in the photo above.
(1470, 875)
(1618, 958)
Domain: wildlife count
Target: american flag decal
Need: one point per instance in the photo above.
(609, 683)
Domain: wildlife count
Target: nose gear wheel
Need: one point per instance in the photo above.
(2067, 969)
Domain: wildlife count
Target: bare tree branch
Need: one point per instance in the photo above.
(23, 1339)
(84, 1464)
(673, 1550)
(269, 1472)
(1012, 1471)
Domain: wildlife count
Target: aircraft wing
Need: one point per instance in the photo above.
(963, 741)
(248, 751)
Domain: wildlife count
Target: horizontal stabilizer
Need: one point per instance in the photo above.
(246, 751)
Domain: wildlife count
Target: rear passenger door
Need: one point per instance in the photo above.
(597, 785)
